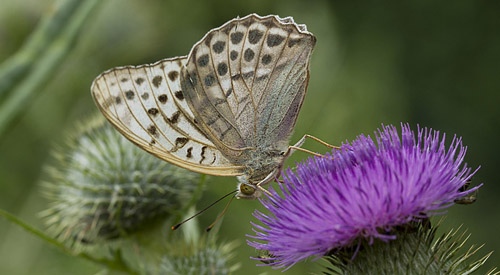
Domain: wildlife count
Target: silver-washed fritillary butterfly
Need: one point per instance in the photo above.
(226, 109)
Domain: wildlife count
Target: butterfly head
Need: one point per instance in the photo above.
(248, 191)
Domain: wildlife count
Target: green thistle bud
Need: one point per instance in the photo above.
(104, 187)
(414, 251)
(203, 257)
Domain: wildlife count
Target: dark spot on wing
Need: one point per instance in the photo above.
(129, 94)
(209, 80)
(203, 153)
(175, 118)
(225, 132)
(118, 100)
(229, 92)
(249, 55)
(180, 142)
(219, 101)
(280, 67)
(254, 36)
(203, 60)
(152, 130)
(124, 79)
(267, 23)
(247, 75)
(222, 68)
(236, 37)
(157, 81)
(145, 96)
(215, 157)
(274, 40)
(236, 77)
(213, 120)
(153, 111)
(266, 59)
(172, 75)
(262, 77)
(247, 22)
(189, 154)
(219, 46)
(244, 98)
(208, 39)
(228, 28)
(139, 80)
(293, 42)
(163, 98)
(179, 95)
(233, 55)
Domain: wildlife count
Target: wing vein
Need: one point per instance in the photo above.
(274, 67)
(132, 113)
(146, 111)
(246, 85)
(280, 92)
(212, 104)
(181, 109)
(288, 108)
(219, 80)
(258, 57)
(229, 66)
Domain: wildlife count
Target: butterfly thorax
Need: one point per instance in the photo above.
(261, 163)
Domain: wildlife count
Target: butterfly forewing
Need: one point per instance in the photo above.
(147, 106)
(285, 90)
(246, 82)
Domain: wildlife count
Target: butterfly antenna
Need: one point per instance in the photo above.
(220, 215)
(203, 210)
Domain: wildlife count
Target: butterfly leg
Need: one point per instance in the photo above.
(303, 139)
(277, 173)
(297, 146)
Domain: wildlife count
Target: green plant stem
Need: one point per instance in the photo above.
(19, 64)
(36, 62)
(116, 263)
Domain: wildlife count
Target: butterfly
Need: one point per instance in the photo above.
(226, 109)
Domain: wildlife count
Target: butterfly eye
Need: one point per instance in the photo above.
(246, 189)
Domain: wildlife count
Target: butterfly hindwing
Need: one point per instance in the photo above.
(147, 106)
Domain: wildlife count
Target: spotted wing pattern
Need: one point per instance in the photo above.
(147, 106)
(246, 82)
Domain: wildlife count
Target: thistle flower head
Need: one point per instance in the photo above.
(359, 192)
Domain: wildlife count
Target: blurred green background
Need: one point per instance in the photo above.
(430, 63)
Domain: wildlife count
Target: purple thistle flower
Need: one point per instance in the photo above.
(361, 191)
